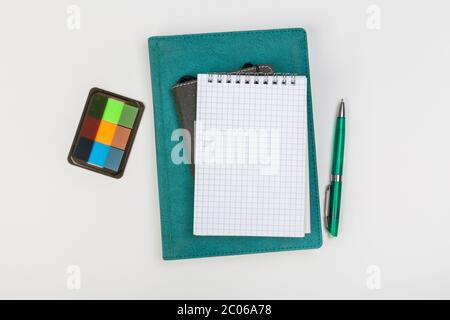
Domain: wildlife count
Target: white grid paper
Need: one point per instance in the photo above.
(238, 199)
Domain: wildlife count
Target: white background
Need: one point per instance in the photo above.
(396, 205)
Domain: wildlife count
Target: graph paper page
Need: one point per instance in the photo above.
(251, 152)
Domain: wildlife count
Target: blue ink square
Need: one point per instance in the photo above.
(99, 153)
(114, 159)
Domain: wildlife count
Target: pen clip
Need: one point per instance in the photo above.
(327, 194)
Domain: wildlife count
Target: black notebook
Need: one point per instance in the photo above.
(185, 94)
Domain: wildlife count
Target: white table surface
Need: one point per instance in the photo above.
(393, 73)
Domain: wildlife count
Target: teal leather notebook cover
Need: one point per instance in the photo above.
(172, 57)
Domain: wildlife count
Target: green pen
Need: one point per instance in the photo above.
(334, 189)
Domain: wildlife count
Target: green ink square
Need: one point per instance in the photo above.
(128, 116)
(97, 105)
(113, 110)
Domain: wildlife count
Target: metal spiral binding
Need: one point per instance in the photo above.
(260, 78)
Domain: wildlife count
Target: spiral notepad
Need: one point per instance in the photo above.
(251, 155)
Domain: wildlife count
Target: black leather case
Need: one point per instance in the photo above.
(185, 95)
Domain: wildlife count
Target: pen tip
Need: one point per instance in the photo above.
(342, 109)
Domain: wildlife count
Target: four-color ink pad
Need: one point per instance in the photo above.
(106, 132)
